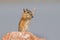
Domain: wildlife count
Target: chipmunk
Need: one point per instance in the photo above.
(25, 20)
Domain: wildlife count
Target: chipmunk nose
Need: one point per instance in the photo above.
(32, 16)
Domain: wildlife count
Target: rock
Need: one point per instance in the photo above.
(20, 36)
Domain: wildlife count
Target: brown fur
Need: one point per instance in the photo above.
(25, 20)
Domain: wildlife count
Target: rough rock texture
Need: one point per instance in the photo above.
(20, 36)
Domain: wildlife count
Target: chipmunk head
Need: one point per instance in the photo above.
(27, 14)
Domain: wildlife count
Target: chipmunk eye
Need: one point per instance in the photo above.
(27, 12)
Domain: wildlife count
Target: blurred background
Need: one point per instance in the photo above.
(46, 21)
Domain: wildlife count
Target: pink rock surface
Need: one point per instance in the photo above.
(21, 36)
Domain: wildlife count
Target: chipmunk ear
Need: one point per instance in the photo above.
(27, 9)
(24, 10)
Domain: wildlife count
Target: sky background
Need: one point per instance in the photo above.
(46, 21)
